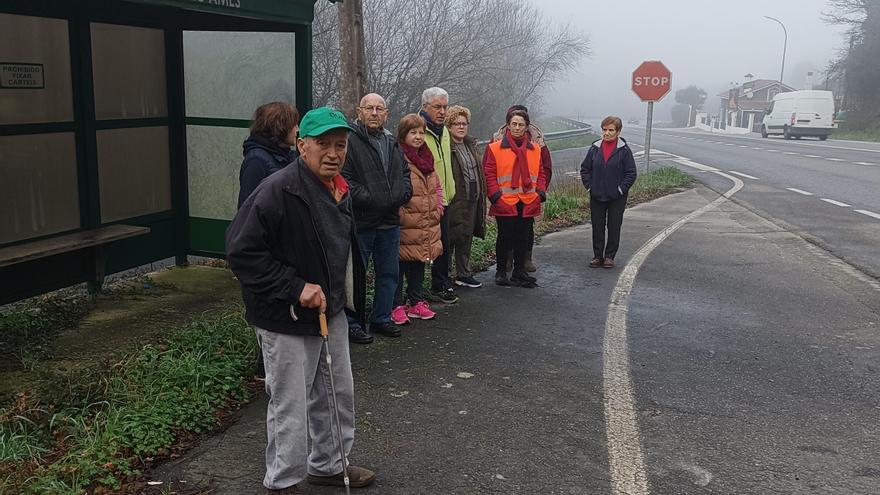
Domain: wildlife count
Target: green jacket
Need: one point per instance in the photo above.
(441, 148)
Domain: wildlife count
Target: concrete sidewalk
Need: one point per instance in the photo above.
(502, 392)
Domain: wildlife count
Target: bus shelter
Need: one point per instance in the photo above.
(121, 125)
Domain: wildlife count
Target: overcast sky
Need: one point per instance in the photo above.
(707, 43)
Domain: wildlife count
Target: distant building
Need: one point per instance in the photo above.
(745, 105)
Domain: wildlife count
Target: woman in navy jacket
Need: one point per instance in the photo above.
(608, 171)
(268, 148)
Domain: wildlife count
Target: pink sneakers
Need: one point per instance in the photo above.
(398, 315)
(420, 310)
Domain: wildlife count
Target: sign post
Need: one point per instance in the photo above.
(651, 81)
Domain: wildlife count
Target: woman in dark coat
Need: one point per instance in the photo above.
(467, 211)
(608, 171)
(270, 146)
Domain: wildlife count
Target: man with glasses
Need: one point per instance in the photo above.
(435, 103)
(379, 180)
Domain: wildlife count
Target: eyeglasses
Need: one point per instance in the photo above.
(374, 109)
(459, 124)
(439, 107)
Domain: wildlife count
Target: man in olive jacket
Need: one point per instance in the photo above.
(379, 179)
(292, 246)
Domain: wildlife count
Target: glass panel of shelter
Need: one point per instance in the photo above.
(39, 192)
(227, 76)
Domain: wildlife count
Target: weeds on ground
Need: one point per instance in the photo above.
(148, 400)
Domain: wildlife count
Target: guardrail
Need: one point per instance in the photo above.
(582, 129)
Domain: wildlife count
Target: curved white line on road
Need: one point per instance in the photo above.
(626, 462)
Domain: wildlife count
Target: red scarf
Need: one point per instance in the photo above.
(521, 165)
(421, 157)
(608, 147)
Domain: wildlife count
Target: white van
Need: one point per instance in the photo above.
(800, 113)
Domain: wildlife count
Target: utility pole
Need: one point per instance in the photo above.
(352, 56)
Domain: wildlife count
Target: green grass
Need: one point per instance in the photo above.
(27, 328)
(113, 420)
(865, 135)
(572, 142)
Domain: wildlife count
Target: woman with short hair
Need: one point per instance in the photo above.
(270, 146)
(420, 241)
(608, 172)
(467, 210)
(516, 182)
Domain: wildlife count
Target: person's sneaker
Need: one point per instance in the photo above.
(468, 282)
(595, 262)
(446, 296)
(358, 477)
(359, 336)
(501, 278)
(420, 310)
(387, 329)
(291, 490)
(399, 315)
(608, 263)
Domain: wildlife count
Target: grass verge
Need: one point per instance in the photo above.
(121, 415)
(568, 204)
(572, 142)
(865, 135)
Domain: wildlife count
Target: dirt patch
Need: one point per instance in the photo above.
(131, 312)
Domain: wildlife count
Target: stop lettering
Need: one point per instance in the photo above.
(651, 80)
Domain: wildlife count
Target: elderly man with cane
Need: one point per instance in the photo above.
(293, 247)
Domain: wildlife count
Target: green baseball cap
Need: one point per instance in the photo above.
(320, 120)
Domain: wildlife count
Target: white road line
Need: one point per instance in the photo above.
(799, 191)
(742, 146)
(757, 149)
(835, 159)
(869, 213)
(747, 176)
(627, 464)
(729, 144)
(790, 153)
(865, 163)
(772, 151)
(812, 156)
(837, 203)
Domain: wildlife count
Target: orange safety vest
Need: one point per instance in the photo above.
(504, 160)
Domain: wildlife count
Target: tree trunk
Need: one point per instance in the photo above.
(352, 60)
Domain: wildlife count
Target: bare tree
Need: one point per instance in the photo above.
(489, 54)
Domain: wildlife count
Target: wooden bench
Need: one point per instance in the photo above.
(93, 240)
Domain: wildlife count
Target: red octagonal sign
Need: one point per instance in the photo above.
(651, 80)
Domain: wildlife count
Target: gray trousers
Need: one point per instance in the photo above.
(298, 385)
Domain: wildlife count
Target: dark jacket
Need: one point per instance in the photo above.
(291, 231)
(462, 207)
(608, 181)
(376, 195)
(261, 159)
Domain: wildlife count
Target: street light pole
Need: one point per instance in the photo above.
(784, 45)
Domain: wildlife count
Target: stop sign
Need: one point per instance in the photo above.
(651, 80)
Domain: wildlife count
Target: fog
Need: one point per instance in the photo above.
(706, 43)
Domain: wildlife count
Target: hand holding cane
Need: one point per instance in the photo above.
(325, 335)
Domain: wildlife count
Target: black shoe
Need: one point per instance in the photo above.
(468, 282)
(501, 278)
(522, 279)
(359, 336)
(386, 329)
(446, 296)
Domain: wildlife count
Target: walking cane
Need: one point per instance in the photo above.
(325, 337)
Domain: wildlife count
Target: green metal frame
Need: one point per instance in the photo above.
(173, 232)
